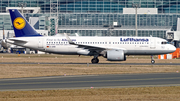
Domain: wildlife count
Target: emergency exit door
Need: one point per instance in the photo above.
(153, 43)
(40, 43)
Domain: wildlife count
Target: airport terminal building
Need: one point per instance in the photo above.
(96, 17)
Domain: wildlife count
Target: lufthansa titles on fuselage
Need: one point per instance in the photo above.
(134, 39)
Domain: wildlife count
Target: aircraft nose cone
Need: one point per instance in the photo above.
(173, 48)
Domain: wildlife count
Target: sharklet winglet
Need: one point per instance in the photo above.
(68, 39)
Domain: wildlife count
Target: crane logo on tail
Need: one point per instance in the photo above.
(19, 23)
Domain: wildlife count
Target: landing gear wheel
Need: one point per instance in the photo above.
(152, 61)
(95, 60)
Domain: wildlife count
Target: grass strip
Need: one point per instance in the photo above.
(105, 94)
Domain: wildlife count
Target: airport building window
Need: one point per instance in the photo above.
(91, 17)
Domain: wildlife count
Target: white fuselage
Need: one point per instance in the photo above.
(130, 45)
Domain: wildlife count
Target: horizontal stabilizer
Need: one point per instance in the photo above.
(18, 40)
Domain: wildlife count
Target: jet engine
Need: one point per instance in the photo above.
(115, 55)
(84, 52)
(4, 44)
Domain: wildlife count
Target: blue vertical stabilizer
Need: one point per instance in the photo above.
(21, 27)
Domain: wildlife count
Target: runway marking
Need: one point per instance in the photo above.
(90, 81)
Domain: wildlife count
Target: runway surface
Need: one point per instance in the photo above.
(90, 81)
(94, 64)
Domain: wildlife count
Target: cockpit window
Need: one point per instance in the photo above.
(163, 42)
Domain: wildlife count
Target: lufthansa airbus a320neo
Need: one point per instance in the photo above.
(112, 48)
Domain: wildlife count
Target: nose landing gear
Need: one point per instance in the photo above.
(152, 59)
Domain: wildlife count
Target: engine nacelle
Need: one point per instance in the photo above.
(84, 52)
(4, 44)
(116, 55)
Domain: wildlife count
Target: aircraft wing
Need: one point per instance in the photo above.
(90, 47)
(84, 46)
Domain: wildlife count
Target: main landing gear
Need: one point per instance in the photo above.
(95, 59)
(152, 59)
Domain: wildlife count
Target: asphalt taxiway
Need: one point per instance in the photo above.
(90, 81)
(94, 64)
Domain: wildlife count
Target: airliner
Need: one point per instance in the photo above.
(112, 48)
(4, 45)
